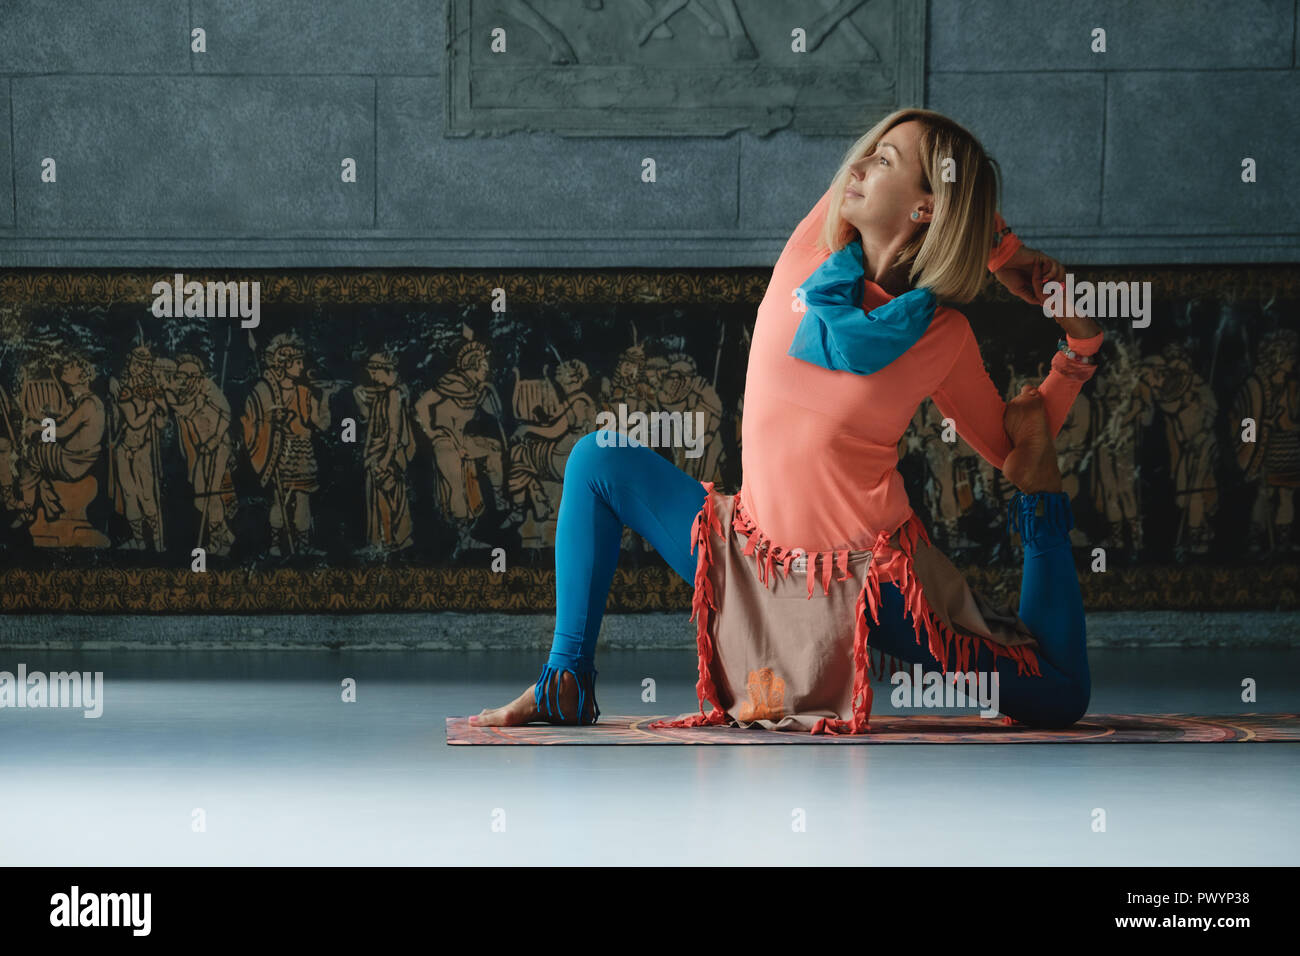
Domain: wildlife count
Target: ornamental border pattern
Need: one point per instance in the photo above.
(534, 287)
(532, 590)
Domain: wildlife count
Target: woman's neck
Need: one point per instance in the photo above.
(880, 255)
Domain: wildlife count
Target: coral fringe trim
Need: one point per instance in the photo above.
(701, 604)
(954, 650)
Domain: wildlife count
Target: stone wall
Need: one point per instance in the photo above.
(232, 157)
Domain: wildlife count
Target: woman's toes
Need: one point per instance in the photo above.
(506, 716)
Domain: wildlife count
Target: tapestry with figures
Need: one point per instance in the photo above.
(396, 439)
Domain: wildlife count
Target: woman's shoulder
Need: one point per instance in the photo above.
(951, 323)
(948, 338)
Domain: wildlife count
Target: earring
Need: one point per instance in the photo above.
(915, 214)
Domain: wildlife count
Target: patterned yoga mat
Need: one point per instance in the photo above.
(957, 729)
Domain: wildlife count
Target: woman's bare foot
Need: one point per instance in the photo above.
(1032, 465)
(523, 709)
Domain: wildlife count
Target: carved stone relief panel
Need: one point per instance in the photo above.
(681, 67)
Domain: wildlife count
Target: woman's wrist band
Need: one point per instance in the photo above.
(1064, 346)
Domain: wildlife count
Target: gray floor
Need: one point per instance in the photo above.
(286, 773)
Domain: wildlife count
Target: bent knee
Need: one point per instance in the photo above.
(588, 444)
(1065, 710)
(594, 453)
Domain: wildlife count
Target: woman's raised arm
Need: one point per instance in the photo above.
(810, 228)
(1005, 243)
(968, 396)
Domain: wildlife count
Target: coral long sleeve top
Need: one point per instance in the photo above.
(820, 446)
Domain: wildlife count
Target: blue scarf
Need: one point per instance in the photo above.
(837, 335)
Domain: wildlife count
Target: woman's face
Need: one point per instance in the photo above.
(884, 187)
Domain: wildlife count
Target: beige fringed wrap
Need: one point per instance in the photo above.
(771, 655)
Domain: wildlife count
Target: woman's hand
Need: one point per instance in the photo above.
(1025, 274)
(1027, 271)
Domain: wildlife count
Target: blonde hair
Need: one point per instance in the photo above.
(950, 254)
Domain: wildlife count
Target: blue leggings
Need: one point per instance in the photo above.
(607, 487)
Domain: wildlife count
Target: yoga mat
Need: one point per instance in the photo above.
(957, 729)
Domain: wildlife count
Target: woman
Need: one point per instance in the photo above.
(847, 343)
